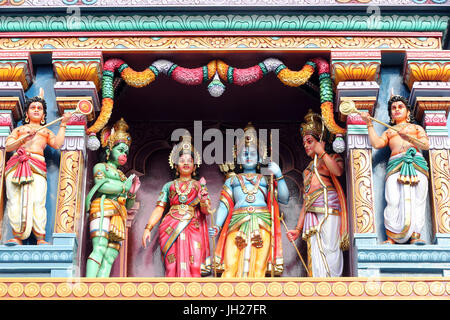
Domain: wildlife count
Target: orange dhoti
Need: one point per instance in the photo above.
(249, 246)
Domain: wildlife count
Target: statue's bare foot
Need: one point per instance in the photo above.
(415, 239)
(42, 242)
(14, 242)
(388, 241)
(417, 242)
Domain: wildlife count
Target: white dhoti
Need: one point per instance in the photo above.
(406, 204)
(25, 206)
(325, 257)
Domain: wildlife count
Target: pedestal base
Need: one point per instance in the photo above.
(54, 260)
(401, 260)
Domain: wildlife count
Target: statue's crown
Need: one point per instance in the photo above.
(312, 125)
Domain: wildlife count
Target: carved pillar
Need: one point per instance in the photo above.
(78, 77)
(355, 76)
(431, 101)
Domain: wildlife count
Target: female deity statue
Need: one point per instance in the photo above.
(26, 171)
(108, 200)
(183, 233)
(407, 173)
(247, 218)
(323, 217)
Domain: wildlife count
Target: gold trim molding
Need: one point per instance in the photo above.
(215, 289)
(240, 43)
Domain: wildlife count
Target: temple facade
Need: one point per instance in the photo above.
(208, 65)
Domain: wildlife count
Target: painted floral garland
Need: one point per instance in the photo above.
(217, 70)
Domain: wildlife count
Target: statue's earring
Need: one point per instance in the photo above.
(107, 155)
(27, 120)
(42, 121)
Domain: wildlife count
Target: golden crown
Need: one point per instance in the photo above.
(312, 125)
(111, 137)
(184, 147)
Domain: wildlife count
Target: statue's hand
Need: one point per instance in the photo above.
(366, 117)
(146, 237)
(135, 185)
(292, 235)
(213, 231)
(274, 169)
(127, 185)
(66, 117)
(318, 148)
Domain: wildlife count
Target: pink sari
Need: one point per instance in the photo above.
(183, 236)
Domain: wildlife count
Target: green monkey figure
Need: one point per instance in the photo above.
(108, 201)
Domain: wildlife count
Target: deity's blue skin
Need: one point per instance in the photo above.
(248, 158)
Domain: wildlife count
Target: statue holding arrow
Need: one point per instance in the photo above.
(323, 217)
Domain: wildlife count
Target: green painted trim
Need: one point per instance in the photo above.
(229, 22)
(4, 131)
(357, 129)
(437, 130)
(75, 131)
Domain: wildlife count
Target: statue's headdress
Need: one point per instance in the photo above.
(184, 147)
(312, 125)
(250, 138)
(111, 137)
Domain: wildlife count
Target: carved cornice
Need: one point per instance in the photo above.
(12, 104)
(78, 65)
(235, 4)
(426, 66)
(355, 66)
(16, 66)
(70, 22)
(220, 43)
(431, 104)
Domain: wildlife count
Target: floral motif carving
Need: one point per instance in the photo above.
(69, 192)
(440, 183)
(362, 190)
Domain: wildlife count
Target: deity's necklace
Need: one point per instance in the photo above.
(250, 194)
(183, 195)
(122, 176)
